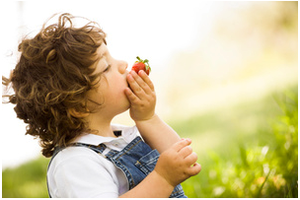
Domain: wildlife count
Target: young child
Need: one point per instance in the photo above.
(68, 88)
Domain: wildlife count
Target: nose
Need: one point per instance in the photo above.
(122, 66)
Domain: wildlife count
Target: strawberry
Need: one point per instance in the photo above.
(141, 65)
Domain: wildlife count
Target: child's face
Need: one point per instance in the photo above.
(110, 91)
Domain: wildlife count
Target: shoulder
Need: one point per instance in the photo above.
(80, 172)
(78, 158)
(75, 153)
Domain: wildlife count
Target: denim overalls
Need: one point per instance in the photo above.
(136, 161)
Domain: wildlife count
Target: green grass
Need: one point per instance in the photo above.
(27, 180)
(249, 150)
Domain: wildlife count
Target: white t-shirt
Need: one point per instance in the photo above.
(81, 172)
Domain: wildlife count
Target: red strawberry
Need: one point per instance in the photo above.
(141, 65)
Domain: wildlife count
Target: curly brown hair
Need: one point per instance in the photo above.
(52, 76)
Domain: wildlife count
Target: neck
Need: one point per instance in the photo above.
(100, 126)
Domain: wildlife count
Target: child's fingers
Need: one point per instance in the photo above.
(191, 159)
(138, 78)
(194, 169)
(182, 143)
(185, 151)
(131, 96)
(143, 81)
(135, 87)
(146, 79)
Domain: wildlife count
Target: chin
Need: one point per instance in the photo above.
(125, 108)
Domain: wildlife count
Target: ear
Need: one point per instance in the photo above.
(77, 114)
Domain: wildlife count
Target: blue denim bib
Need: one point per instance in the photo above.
(136, 161)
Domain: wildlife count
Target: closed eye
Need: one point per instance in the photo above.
(107, 68)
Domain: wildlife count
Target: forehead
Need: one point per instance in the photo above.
(102, 50)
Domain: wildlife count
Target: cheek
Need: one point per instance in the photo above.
(94, 100)
(97, 94)
(117, 91)
(113, 88)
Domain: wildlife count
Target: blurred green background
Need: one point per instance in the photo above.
(235, 94)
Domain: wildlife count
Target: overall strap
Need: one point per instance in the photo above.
(98, 149)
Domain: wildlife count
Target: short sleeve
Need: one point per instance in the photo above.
(80, 172)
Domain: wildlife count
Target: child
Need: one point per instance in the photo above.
(68, 88)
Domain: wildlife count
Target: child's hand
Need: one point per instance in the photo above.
(178, 163)
(141, 95)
